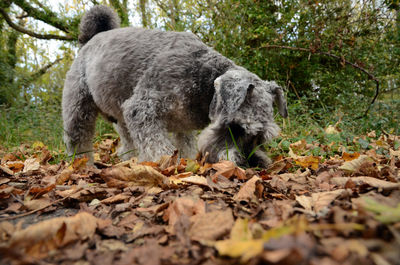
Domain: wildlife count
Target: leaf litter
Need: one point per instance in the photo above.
(303, 209)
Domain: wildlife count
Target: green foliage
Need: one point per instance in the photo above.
(318, 50)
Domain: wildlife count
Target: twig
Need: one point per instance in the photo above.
(31, 33)
(33, 211)
(341, 59)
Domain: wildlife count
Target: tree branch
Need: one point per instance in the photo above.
(31, 33)
(47, 16)
(342, 60)
(43, 70)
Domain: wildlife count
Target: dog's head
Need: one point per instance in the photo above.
(242, 109)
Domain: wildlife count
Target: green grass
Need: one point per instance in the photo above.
(29, 123)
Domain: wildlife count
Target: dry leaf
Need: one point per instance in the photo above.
(331, 130)
(212, 225)
(247, 191)
(319, 200)
(6, 171)
(182, 206)
(79, 163)
(373, 182)
(37, 204)
(308, 161)
(195, 179)
(40, 239)
(228, 169)
(116, 198)
(354, 165)
(349, 157)
(138, 175)
(31, 164)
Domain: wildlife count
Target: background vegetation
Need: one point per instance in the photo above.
(332, 56)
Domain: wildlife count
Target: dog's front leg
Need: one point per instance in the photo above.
(146, 127)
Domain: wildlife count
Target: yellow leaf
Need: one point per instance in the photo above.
(331, 130)
(308, 161)
(38, 145)
(245, 249)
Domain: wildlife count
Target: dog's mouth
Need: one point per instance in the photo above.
(246, 141)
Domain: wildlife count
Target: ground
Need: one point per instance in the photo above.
(320, 202)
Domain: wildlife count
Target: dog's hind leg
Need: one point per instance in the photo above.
(79, 116)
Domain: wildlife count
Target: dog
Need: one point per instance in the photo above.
(159, 88)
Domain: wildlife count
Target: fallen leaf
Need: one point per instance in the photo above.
(195, 179)
(308, 161)
(248, 190)
(381, 212)
(212, 225)
(373, 182)
(228, 169)
(79, 163)
(354, 165)
(37, 204)
(241, 242)
(192, 166)
(350, 156)
(116, 198)
(6, 171)
(331, 130)
(38, 240)
(138, 175)
(182, 206)
(31, 164)
(319, 200)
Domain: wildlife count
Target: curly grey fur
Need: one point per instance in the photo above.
(154, 83)
(97, 19)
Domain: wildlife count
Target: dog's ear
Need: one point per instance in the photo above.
(232, 93)
(280, 101)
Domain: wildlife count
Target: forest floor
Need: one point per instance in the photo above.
(305, 208)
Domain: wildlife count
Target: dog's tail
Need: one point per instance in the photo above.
(97, 19)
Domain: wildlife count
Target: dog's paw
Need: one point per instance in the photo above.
(260, 159)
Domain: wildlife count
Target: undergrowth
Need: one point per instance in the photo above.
(27, 124)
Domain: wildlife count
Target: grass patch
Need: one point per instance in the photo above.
(30, 123)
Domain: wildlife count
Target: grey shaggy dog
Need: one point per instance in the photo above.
(158, 88)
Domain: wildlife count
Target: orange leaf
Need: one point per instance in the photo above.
(349, 157)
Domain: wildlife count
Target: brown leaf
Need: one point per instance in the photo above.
(182, 206)
(354, 165)
(40, 239)
(37, 192)
(228, 169)
(212, 225)
(373, 182)
(79, 163)
(64, 176)
(319, 200)
(37, 204)
(6, 171)
(15, 166)
(31, 164)
(116, 198)
(139, 175)
(248, 190)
